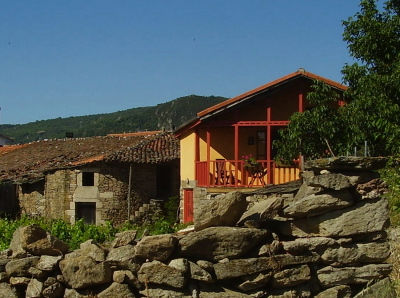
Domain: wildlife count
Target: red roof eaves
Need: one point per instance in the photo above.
(268, 85)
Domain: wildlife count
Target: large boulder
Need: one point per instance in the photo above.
(84, 271)
(331, 276)
(158, 247)
(373, 252)
(20, 267)
(315, 204)
(218, 243)
(364, 217)
(333, 181)
(36, 241)
(124, 258)
(224, 211)
(156, 272)
(243, 267)
(262, 210)
(92, 249)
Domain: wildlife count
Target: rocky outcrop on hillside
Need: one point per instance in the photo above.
(326, 240)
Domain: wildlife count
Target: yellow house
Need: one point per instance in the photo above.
(229, 146)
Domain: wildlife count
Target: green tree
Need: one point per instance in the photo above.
(372, 99)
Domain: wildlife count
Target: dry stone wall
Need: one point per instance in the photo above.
(327, 240)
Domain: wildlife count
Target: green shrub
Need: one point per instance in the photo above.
(391, 175)
(80, 232)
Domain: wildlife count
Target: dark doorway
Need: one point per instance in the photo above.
(87, 212)
(164, 181)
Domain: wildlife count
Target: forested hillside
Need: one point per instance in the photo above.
(166, 115)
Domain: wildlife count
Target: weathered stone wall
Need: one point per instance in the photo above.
(328, 240)
(31, 198)
(62, 189)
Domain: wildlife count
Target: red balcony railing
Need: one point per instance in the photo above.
(231, 173)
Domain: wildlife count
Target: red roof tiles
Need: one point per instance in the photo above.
(30, 161)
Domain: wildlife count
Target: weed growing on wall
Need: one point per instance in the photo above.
(391, 175)
(80, 232)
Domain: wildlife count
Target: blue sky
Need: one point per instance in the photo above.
(73, 58)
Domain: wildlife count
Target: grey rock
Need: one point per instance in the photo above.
(83, 272)
(255, 281)
(156, 272)
(301, 290)
(34, 289)
(36, 241)
(206, 265)
(217, 243)
(7, 291)
(126, 277)
(19, 281)
(243, 267)
(335, 181)
(263, 210)
(180, 264)
(315, 204)
(381, 288)
(37, 273)
(54, 290)
(225, 211)
(124, 238)
(124, 258)
(374, 252)
(342, 291)
(72, 293)
(301, 245)
(92, 249)
(197, 273)
(330, 276)
(363, 217)
(346, 163)
(116, 290)
(20, 267)
(48, 263)
(158, 247)
(361, 177)
(208, 290)
(373, 189)
(291, 276)
(164, 292)
(270, 249)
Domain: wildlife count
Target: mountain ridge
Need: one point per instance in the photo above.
(166, 115)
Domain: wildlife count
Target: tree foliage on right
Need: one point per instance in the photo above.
(372, 101)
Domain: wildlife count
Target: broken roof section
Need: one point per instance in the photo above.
(29, 162)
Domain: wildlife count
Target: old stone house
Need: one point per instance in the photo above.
(90, 178)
